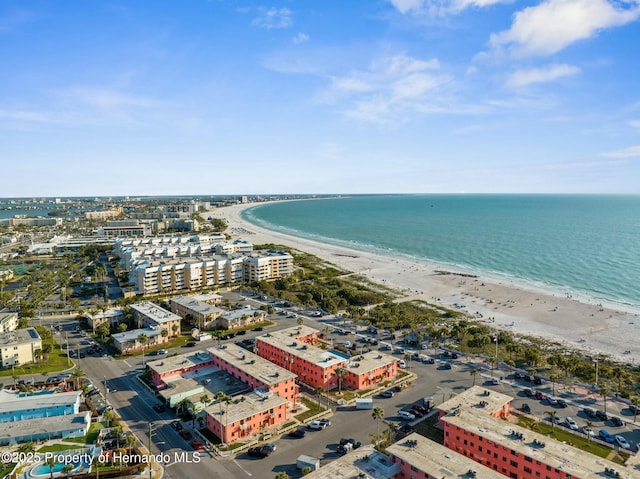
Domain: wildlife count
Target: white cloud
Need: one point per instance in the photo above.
(634, 123)
(553, 25)
(527, 76)
(273, 18)
(389, 87)
(631, 152)
(300, 38)
(441, 7)
(107, 99)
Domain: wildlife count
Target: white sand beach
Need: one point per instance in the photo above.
(524, 310)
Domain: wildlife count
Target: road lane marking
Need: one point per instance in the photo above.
(242, 468)
(125, 361)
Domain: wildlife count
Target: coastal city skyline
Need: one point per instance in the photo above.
(397, 96)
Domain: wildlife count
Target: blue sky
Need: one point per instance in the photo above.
(152, 97)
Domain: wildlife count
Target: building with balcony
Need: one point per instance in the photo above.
(129, 341)
(200, 313)
(8, 322)
(148, 314)
(18, 347)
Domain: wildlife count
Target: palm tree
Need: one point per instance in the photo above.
(605, 392)
(635, 401)
(377, 414)
(474, 373)
(552, 417)
(319, 391)
(588, 424)
(129, 441)
(300, 321)
(553, 378)
(51, 462)
(66, 469)
(109, 415)
(142, 338)
(340, 373)
(76, 374)
(164, 333)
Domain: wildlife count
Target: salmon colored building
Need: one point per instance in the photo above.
(172, 367)
(248, 414)
(256, 372)
(474, 426)
(296, 350)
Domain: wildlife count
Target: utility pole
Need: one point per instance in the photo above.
(150, 469)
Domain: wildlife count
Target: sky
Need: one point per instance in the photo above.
(216, 97)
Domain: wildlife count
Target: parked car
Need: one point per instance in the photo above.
(518, 375)
(402, 364)
(354, 442)
(447, 365)
(540, 395)
(494, 381)
(177, 425)
(616, 421)
(416, 413)
(588, 431)
(571, 424)
(526, 408)
(589, 412)
(185, 434)
(406, 415)
(297, 433)
(537, 380)
(561, 402)
(260, 452)
(601, 415)
(197, 445)
(420, 408)
(326, 422)
(605, 436)
(529, 392)
(158, 408)
(316, 425)
(387, 394)
(552, 401)
(622, 442)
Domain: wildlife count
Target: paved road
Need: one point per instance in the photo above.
(133, 403)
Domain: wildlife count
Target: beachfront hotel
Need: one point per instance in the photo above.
(475, 426)
(297, 350)
(18, 347)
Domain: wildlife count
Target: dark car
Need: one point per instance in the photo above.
(297, 433)
(185, 433)
(260, 452)
(177, 425)
(529, 392)
(561, 402)
(386, 394)
(158, 408)
(518, 375)
(526, 408)
(601, 415)
(420, 408)
(537, 380)
(416, 413)
(354, 442)
(447, 365)
(192, 344)
(259, 329)
(616, 421)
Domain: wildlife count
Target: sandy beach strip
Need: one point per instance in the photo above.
(525, 310)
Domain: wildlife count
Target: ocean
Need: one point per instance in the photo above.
(586, 246)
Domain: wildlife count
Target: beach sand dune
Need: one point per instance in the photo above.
(502, 304)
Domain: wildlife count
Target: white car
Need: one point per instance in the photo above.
(571, 424)
(622, 442)
(402, 364)
(316, 425)
(406, 415)
(588, 431)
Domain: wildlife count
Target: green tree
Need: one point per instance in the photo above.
(340, 373)
(282, 475)
(474, 373)
(122, 327)
(66, 469)
(104, 330)
(378, 415)
(51, 462)
(552, 417)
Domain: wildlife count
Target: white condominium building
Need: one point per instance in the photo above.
(19, 347)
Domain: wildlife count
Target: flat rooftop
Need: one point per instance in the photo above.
(19, 336)
(135, 333)
(232, 314)
(195, 304)
(494, 401)
(252, 364)
(363, 463)
(287, 340)
(533, 445)
(370, 361)
(246, 406)
(185, 361)
(437, 460)
(15, 401)
(43, 426)
(155, 312)
(181, 386)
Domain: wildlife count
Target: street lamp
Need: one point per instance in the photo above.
(495, 364)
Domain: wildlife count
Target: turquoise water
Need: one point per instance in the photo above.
(582, 245)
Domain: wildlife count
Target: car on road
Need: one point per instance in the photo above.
(297, 433)
(197, 445)
(158, 408)
(588, 431)
(387, 394)
(316, 425)
(260, 452)
(605, 436)
(622, 442)
(616, 421)
(601, 415)
(571, 424)
(406, 415)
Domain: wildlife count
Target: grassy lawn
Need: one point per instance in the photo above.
(57, 361)
(578, 441)
(91, 437)
(6, 468)
(313, 409)
(58, 447)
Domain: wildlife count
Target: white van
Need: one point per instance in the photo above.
(402, 364)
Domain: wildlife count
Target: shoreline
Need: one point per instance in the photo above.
(596, 328)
